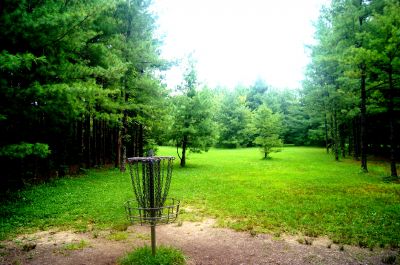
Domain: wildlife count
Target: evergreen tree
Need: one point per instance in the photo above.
(193, 126)
(384, 42)
(80, 71)
(268, 127)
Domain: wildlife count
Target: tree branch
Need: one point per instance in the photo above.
(71, 29)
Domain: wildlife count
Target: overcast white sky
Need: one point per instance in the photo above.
(237, 41)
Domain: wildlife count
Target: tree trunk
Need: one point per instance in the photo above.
(109, 144)
(95, 146)
(342, 140)
(99, 143)
(184, 146)
(125, 96)
(103, 143)
(351, 144)
(81, 139)
(363, 120)
(124, 141)
(134, 140)
(356, 138)
(335, 135)
(88, 141)
(363, 104)
(326, 135)
(118, 147)
(141, 140)
(393, 169)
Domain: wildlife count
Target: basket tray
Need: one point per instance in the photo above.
(152, 216)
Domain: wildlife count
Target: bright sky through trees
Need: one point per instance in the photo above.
(239, 41)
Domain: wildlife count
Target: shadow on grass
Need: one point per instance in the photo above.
(390, 179)
(272, 159)
(190, 167)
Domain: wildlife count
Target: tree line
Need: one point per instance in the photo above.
(81, 86)
(349, 101)
(223, 118)
(351, 88)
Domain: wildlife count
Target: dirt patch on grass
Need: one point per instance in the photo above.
(201, 242)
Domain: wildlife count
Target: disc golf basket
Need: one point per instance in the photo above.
(151, 179)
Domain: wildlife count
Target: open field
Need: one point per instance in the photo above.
(298, 191)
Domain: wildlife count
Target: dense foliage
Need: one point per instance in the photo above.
(352, 84)
(245, 114)
(78, 85)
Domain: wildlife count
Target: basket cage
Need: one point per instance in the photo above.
(151, 179)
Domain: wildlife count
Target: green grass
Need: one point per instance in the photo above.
(81, 202)
(164, 256)
(76, 246)
(300, 190)
(118, 236)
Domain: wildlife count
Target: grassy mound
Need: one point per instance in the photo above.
(164, 256)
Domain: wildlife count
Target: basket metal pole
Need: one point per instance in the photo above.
(152, 206)
(150, 185)
(153, 239)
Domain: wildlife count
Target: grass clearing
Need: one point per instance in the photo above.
(299, 191)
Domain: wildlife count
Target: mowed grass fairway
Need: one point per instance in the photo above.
(299, 191)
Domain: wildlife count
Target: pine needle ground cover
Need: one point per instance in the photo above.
(299, 191)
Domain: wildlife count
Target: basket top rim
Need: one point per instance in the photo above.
(149, 158)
